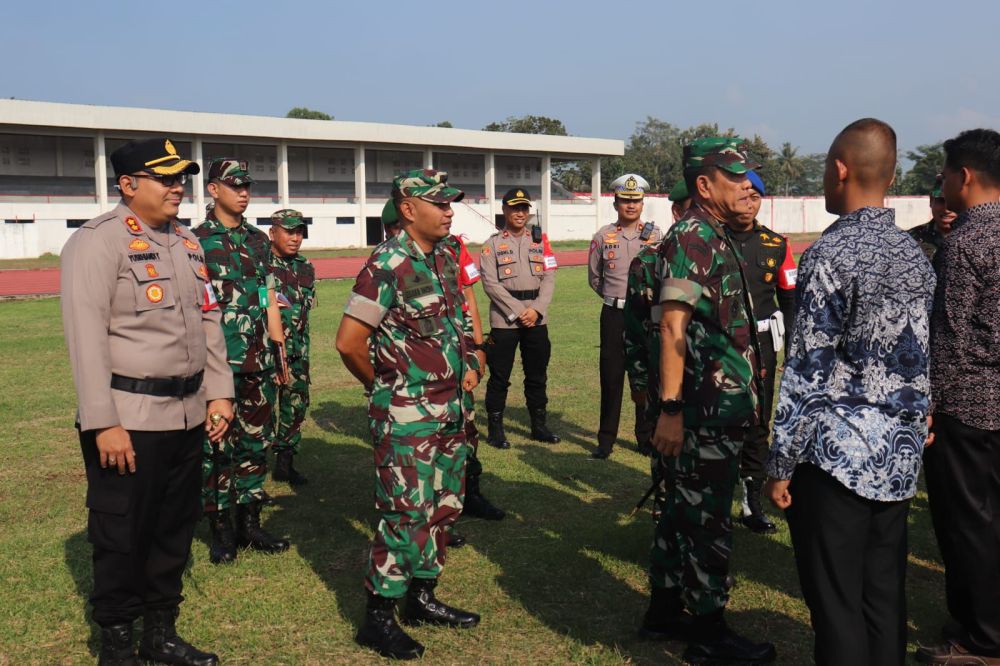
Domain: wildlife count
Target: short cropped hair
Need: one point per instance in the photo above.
(978, 150)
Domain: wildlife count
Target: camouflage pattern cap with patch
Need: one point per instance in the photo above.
(427, 184)
(725, 152)
(230, 171)
(288, 218)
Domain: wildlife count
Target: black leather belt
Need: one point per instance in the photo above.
(175, 387)
(524, 294)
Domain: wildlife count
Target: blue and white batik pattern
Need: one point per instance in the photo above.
(856, 388)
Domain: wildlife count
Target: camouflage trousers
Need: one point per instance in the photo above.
(293, 399)
(419, 489)
(694, 537)
(242, 453)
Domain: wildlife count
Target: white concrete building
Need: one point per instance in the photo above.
(55, 173)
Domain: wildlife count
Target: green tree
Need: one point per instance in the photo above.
(529, 125)
(789, 167)
(307, 114)
(444, 123)
(927, 164)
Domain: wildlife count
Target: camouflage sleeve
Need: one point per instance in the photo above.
(595, 264)
(468, 334)
(636, 341)
(373, 294)
(686, 260)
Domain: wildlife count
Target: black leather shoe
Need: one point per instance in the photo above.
(665, 619)
(423, 608)
(161, 644)
(222, 550)
(249, 533)
(477, 506)
(456, 540)
(381, 633)
(539, 431)
(754, 518)
(712, 642)
(284, 470)
(601, 453)
(116, 646)
(495, 436)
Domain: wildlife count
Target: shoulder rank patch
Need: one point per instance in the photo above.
(133, 225)
(138, 245)
(154, 293)
(191, 245)
(485, 251)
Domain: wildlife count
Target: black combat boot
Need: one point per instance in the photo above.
(222, 550)
(116, 646)
(539, 431)
(284, 470)
(495, 435)
(249, 533)
(712, 642)
(455, 540)
(477, 506)
(754, 518)
(161, 644)
(423, 608)
(665, 619)
(381, 633)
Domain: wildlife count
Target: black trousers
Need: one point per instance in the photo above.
(851, 556)
(755, 446)
(535, 353)
(962, 471)
(612, 369)
(141, 524)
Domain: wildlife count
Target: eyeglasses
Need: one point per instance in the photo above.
(166, 181)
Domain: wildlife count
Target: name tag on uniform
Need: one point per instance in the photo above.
(550, 262)
(262, 295)
(471, 272)
(415, 286)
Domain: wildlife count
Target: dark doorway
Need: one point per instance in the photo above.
(374, 233)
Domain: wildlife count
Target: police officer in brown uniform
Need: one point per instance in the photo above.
(611, 251)
(149, 364)
(518, 269)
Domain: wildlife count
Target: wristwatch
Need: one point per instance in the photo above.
(671, 407)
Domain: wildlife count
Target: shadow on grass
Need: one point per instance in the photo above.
(78, 562)
(518, 422)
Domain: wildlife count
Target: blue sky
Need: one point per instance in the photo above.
(790, 71)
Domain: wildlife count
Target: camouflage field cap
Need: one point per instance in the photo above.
(427, 184)
(230, 171)
(679, 192)
(288, 218)
(390, 217)
(936, 190)
(629, 186)
(725, 152)
(153, 156)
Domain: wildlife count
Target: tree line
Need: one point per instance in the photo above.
(655, 150)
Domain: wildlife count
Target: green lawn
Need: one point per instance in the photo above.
(561, 580)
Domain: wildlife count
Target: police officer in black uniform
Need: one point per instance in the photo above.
(770, 271)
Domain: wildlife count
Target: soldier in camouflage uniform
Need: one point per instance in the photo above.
(237, 258)
(295, 291)
(408, 342)
(931, 235)
(709, 396)
(642, 340)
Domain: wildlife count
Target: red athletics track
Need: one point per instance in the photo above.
(45, 282)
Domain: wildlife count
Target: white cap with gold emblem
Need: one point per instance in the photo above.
(629, 186)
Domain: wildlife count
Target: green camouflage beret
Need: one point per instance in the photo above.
(230, 171)
(725, 152)
(679, 192)
(288, 218)
(936, 191)
(427, 184)
(389, 215)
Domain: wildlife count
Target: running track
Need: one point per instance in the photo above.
(45, 282)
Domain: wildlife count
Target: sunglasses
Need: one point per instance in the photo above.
(166, 181)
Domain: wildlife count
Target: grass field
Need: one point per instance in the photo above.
(561, 580)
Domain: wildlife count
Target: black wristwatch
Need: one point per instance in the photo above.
(671, 407)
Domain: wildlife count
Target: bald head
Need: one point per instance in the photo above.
(867, 147)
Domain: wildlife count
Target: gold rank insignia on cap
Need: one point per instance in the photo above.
(520, 193)
(169, 147)
(630, 184)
